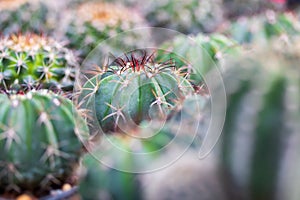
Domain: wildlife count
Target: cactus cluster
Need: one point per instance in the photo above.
(93, 22)
(260, 141)
(33, 61)
(264, 27)
(134, 88)
(40, 140)
(191, 16)
(25, 16)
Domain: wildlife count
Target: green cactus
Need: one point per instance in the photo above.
(260, 141)
(192, 16)
(133, 90)
(30, 61)
(200, 53)
(25, 16)
(99, 21)
(111, 169)
(40, 140)
(264, 27)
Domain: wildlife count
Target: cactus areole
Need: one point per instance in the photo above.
(133, 89)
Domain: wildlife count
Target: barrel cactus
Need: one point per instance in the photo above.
(264, 27)
(192, 16)
(40, 140)
(134, 88)
(25, 16)
(200, 53)
(99, 21)
(30, 61)
(260, 141)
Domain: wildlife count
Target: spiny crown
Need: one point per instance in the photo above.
(145, 63)
(110, 14)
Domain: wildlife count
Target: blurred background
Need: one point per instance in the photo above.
(253, 46)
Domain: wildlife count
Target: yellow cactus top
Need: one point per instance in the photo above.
(28, 42)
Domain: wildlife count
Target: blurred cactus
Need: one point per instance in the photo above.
(190, 16)
(23, 16)
(40, 141)
(30, 61)
(93, 22)
(112, 168)
(109, 170)
(134, 89)
(236, 8)
(260, 141)
(262, 28)
(200, 53)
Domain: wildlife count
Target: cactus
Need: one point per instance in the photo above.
(135, 89)
(111, 169)
(260, 141)
(25, 16)
(40, 140)
(264, 27)
(190, 16)
(30, 61)
(201, 53)
(99, 21)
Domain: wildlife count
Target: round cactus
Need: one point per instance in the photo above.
(30, 61)
(200, 53)
(133, 90)
(192, 16)
(264, 27)
(40, 140)
(25, 16)
(99, 21)
(260, 141)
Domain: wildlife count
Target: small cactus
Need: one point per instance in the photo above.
(134, 89)
(40, 141)
(30, 61)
